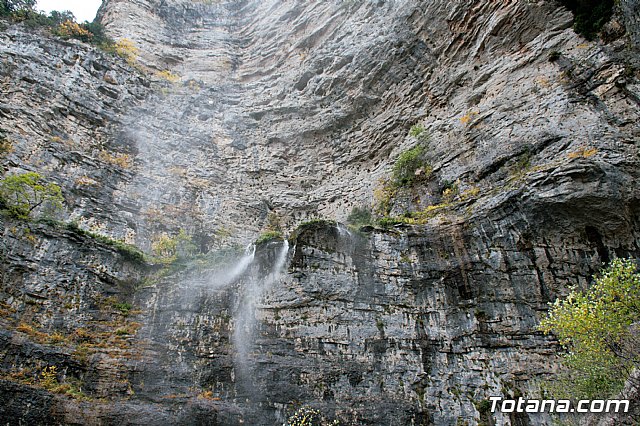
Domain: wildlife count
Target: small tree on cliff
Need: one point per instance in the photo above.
(599, 328)
(24, 193)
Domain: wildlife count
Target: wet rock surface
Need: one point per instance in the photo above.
(297, 109)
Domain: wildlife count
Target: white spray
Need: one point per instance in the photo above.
(223, 278)
(245, 320)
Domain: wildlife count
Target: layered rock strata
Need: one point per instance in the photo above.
(236, 113)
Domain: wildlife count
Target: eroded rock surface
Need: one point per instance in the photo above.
(238, 112)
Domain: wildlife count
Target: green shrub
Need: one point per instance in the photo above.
(169, 249)
(388, 221)
(123, 307)
(589, 15)
(128, 251)
(418, 131)
(24, 11)
(269, 236)
(310, 226)
(24, 193)
(11, 7)
(317, 221)
(58, 18)
(410, 165)
(100, 38)
(596, 329)
(359, 216)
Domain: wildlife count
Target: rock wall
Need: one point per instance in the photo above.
(342, 82)
(235, 113)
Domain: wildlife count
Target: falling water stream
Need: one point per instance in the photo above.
(343, 231)
(223, 278)
(254, 288)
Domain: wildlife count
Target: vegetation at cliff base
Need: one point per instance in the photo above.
(22, 194)
(599, 328)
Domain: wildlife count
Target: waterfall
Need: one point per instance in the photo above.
(278, 265)
(223, 278)
(245, 319)
(343, 231)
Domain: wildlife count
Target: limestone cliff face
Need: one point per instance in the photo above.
(306, 104)
(297, 109)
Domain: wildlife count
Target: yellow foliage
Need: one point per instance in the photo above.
(31, 238)
(451, 192)
(596, 327)
(542, 81)
(208, 395)
(127, 49)
(6, 147)
(26, 328)
(83, 335)
(470, 193)
(164, 246)
(36, 335)
(123, 160)
(70, 29)
(6, 309)
(583, 152)
(168, 76)
(448, 194)
(465, 119)
(383, 195)
(57, 338)
(168, 249)
(193, 85)
(85, 181)
(48, 378)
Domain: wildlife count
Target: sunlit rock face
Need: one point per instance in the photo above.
(234, 112)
